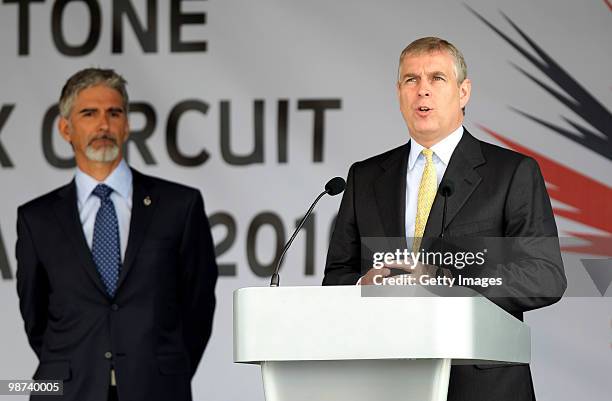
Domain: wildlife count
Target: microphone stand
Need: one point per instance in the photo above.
(444, 215)
(275, 280)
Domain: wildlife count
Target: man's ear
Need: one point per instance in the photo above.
(465, 89)
(397, 90)
(63, 125)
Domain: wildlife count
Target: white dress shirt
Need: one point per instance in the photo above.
(120, 180)
(443, 151)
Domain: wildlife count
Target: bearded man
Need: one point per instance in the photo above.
(115, 270)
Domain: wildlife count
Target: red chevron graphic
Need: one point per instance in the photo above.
(598, 245)
(590, 199)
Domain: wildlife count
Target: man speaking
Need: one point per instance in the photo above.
(116, 270)
(496, 193)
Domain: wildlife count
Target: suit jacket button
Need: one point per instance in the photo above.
(115, 307)
(108, 355)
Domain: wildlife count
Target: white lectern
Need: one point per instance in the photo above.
(333, 344)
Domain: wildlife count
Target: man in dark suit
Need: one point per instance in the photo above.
(116, 270)
(497, 193)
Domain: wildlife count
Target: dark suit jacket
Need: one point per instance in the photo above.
(498, 193)
(154, 331)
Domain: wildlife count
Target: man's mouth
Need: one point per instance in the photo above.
(423, 111)
(103, 138)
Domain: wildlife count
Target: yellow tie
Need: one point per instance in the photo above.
(427, 193)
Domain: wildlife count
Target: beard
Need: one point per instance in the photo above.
(103, 154)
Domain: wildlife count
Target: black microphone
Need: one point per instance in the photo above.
(447, 189)
(333, 187)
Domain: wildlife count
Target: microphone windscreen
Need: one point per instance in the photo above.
(447, 188)
(335, 186)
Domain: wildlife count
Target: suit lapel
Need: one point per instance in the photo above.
(66, 211)
(461, 172)
(391, 197)
(144, 202)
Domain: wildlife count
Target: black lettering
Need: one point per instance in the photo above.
(227, 221)
(24, 24)
(146, 37)
(47, 141)
(177, 20)
(282, 122)
(309, 229)
(5, 267)
(319, 106)
(94, 28)
(264, 218)
(140, 137)
(172, 134)
(5, 112)
(257, 155)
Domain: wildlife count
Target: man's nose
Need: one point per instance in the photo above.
(103, 122)
(424, 89)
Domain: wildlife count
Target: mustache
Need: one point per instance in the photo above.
(105, 136)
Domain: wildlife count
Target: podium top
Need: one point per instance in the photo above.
(338, 323)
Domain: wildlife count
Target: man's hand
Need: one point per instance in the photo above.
(416, 270)
(368, 279)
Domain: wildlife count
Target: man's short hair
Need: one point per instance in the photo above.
(433, 44)
(86, 79)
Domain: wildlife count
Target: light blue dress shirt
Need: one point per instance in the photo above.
(120, 180)
(443, 151)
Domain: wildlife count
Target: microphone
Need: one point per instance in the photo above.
(333, 187)
(447, 189)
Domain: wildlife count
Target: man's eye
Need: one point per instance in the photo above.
(438, 78)
(409, 80)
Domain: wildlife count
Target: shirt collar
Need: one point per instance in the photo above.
(120, 180)
(443, 149)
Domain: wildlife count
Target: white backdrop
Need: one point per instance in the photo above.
(342, 55)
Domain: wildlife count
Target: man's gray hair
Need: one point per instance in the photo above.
(86, 79)
(432, 44)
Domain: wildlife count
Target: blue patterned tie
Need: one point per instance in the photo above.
(105, 248)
